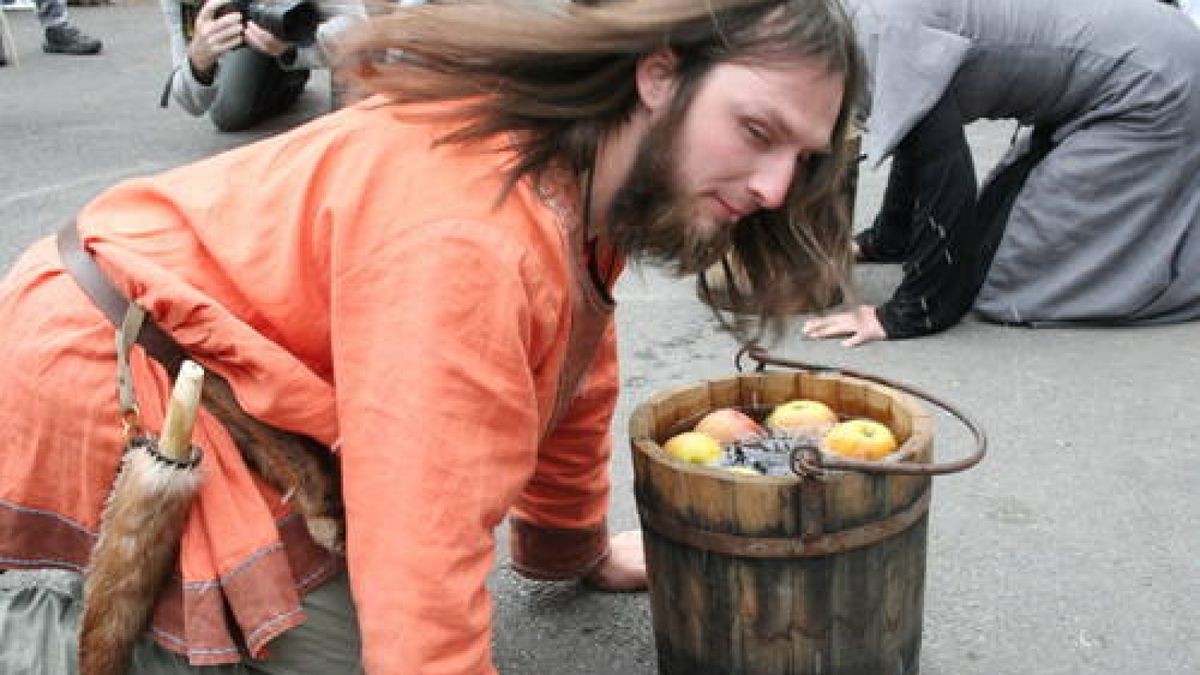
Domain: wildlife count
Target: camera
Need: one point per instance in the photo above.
(293, 21)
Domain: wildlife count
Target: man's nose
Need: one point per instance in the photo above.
(771, 180)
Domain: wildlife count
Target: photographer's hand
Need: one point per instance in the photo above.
(258, 38)
(214, 36)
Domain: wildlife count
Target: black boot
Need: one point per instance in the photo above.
(67, 39)
(874, 248)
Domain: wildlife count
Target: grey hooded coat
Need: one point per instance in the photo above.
(1107, 226)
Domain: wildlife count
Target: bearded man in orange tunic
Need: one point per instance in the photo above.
(420, 285)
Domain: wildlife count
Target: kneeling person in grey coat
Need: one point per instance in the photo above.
(1094, 217)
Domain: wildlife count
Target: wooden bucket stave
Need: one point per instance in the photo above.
(749, 575)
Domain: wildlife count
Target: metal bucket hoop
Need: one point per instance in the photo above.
(813, 463)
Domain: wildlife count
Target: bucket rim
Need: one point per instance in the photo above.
(642, 420)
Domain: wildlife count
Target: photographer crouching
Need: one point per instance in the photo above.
(246, 61)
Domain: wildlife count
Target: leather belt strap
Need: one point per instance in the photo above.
(299, 467)
(83, 268)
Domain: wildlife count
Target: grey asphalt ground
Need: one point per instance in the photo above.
(1072, 549)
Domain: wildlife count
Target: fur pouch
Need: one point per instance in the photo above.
(142, 521)
(147, 508)
(303, 470)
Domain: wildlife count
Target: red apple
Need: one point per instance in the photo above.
(729, 425)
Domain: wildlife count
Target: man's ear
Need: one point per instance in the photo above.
(656, 79)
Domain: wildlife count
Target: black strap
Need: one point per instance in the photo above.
(165, 98)
(80, 265)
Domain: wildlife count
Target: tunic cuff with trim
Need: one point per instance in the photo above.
(553, 554)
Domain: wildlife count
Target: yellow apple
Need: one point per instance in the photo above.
(802, 416)
(694, 447)
(860, 439)
(728, 425)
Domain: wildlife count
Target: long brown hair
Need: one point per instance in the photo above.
(562, 75)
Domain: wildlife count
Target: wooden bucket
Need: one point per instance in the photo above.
(821, 575)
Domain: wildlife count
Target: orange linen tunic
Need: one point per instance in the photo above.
(357, 284)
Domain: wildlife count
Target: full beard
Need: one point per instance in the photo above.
(651, 219)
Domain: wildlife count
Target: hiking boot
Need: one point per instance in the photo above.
(67, 39)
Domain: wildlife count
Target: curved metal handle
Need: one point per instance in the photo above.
(811, 463)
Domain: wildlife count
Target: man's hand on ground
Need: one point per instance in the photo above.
(860, 323)
(625, 567)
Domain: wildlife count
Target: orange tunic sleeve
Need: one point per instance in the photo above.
(439, 411)
(558, 526)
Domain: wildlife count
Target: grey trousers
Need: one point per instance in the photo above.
(251, 88)
(39, 620)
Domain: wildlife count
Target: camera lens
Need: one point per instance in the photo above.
(295, 21)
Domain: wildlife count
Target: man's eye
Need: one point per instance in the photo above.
(756, 133)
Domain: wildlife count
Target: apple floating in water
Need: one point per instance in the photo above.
(729, 425)
(694, 447)
(860, 439)
(802, 416)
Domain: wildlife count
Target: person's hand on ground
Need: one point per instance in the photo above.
(214, 35)
(860, 323)
(625, 567)
(262, 40)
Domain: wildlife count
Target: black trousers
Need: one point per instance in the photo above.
(935, 222)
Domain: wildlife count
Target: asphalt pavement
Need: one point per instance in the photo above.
(1071, 549)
